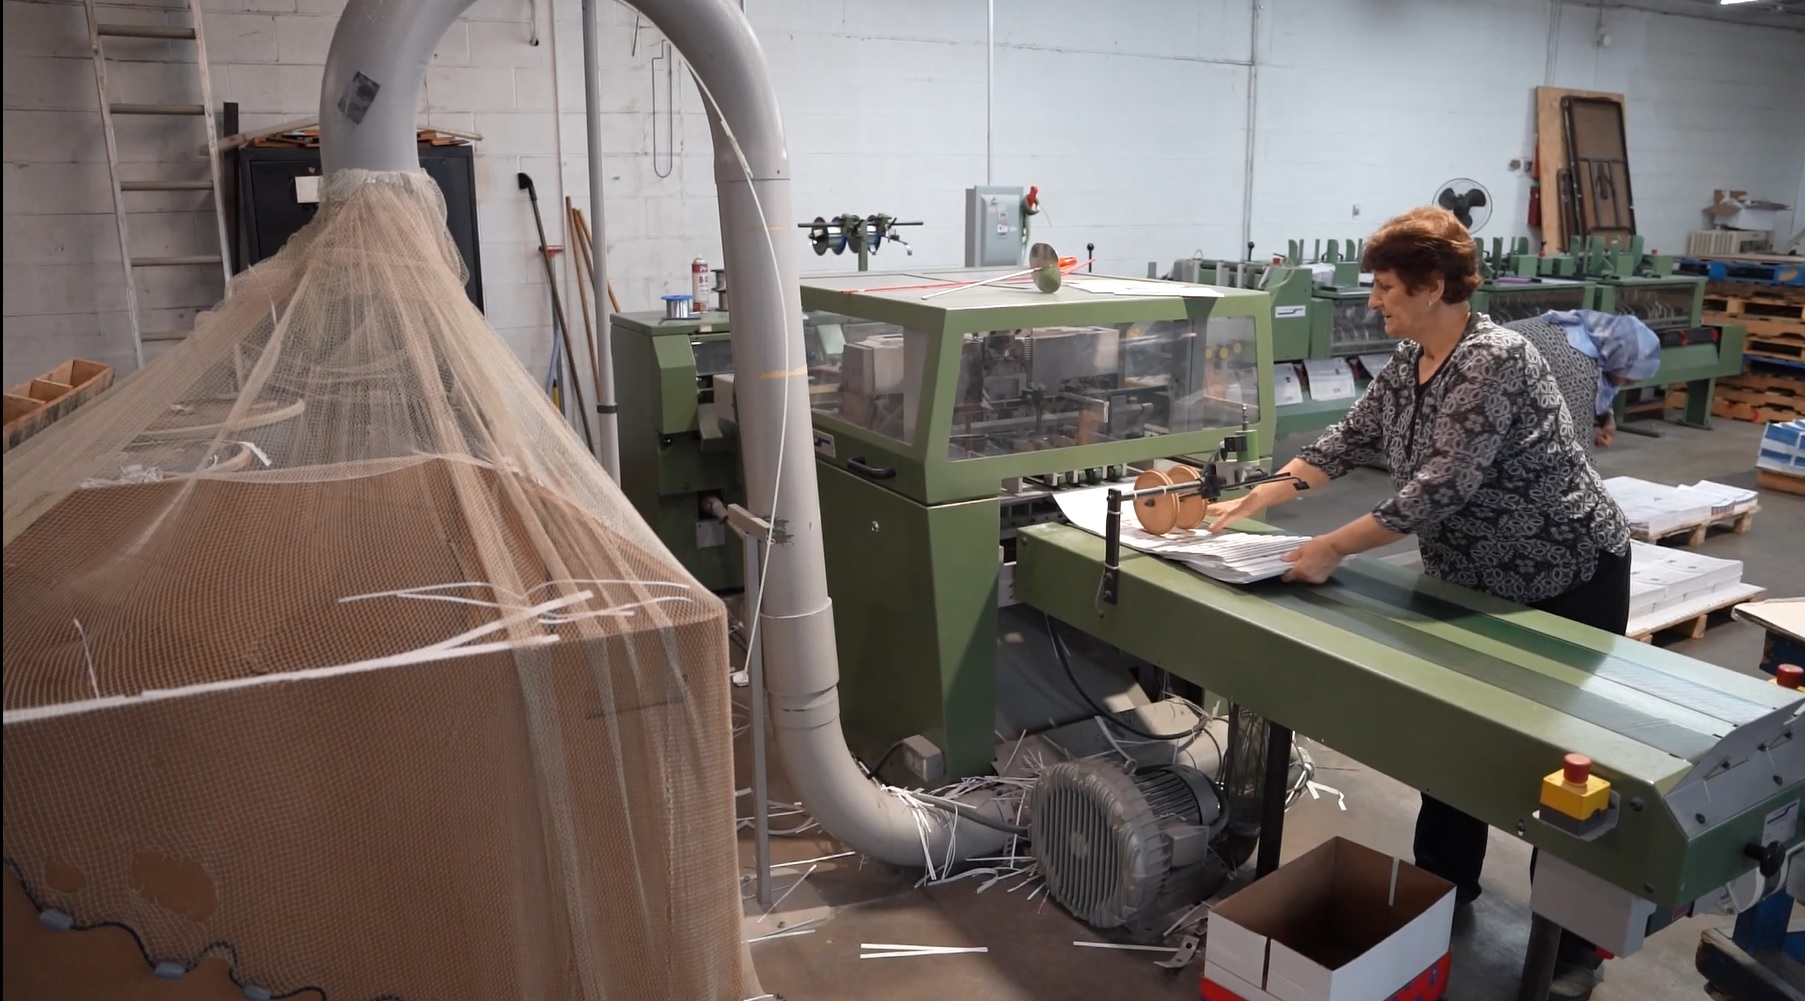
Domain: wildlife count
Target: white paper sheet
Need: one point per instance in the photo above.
(1137, 286)
(1330, 378)
(1287, 387)
(1231, 557)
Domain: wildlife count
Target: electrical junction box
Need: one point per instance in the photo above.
(993, 227)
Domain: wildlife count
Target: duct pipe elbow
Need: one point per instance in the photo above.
(371, 86)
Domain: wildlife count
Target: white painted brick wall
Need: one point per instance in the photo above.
(1132, 118)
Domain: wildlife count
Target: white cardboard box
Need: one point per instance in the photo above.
(1339, 923)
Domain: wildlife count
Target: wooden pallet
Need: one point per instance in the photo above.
(1786, 483)
(1754, 408)
(1738, 523)
(1769, 339)
(1774, 270)
(1746, 290)
(1736, 308)
(1692, 618)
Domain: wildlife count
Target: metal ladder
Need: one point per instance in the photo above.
(97, 31)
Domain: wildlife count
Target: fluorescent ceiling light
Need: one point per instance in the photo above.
(1726, 3)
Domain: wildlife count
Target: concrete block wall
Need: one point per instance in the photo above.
(1132, 119)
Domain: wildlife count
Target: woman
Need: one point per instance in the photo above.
(1490, 478)
(1592, 354)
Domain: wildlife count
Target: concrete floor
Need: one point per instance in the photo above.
(1031, 953)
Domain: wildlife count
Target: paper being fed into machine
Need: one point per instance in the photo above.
(1231, 557)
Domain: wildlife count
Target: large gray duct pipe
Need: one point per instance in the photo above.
(372, 83)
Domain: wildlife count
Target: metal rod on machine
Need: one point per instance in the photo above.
(1112, 548)
(1272, 797)
(755, 671)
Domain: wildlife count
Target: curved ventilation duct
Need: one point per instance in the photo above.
(368, 98)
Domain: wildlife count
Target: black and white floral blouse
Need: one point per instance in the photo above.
(1491, 478)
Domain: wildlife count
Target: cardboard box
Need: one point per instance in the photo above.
(1340, 923)
(1736, 210)
(347, 819)
(34, 405)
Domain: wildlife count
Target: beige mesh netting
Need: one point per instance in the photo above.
(331, 655)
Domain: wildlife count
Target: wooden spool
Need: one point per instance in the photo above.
(1191, 507)
(1156, 514)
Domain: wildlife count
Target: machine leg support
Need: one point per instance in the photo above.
(1272, 797)
(1538, 962)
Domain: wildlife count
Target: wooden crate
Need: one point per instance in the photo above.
(35, 405)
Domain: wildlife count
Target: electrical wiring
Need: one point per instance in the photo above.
(1203, 719)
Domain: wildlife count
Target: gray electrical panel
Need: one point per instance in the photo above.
(993, 227)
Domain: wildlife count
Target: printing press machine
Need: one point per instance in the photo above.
(947, 426)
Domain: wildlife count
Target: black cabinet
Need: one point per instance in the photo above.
(270, 210)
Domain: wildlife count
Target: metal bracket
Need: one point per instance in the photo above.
(751, 526)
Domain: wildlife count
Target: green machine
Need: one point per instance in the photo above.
(1319, 315)
(1699, 772)
(945, 421)
(1644, 285)
(1518, 284)
(673, 457)
(951, 421)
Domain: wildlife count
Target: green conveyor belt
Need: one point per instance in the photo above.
(1451, 691)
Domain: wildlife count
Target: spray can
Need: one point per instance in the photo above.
(699, 283)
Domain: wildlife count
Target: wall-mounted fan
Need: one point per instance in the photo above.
(1468, 200)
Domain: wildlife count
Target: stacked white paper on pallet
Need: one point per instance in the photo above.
(1232, 557)
(1662, 578)
(1729, 499)
(1655, 509)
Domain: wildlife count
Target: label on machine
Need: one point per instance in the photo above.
(1287, 388)
(1287, 312)
(1330, 378)
(824, 443)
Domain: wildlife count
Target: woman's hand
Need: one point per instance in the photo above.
(1605, 433)
(1312, 562)
(1220, 515)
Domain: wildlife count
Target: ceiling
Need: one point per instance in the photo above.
(1778, 13)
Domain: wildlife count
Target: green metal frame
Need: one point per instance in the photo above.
(913, 559)
(671, 450)
(1448, 690)
(923, 469)
(1697, 365)
(1485, 298)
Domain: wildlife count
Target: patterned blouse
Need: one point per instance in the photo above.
(1491, 478)
(1574, 373)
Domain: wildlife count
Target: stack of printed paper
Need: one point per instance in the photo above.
(1730, 500)
(1654, 509)
(1231, 557)
(1662, 579)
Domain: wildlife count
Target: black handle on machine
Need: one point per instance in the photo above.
(858, 465)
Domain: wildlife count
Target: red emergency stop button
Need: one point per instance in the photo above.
(1789, 676)
(1576, 769)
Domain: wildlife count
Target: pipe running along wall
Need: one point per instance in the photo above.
(368, 96)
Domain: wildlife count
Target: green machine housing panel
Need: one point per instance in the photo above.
(673, 454)
(959, 393)
(915, 595)
(940, 420)
(1507, 300)
(1464, 696)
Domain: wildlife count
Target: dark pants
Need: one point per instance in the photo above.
(1450, 843)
